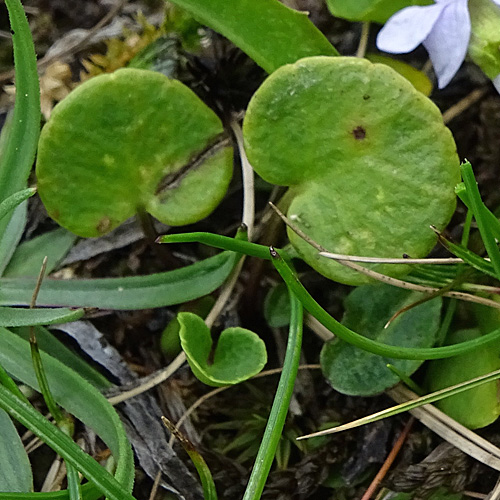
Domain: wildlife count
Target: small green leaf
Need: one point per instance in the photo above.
(367, 309)
(367, 157)
(370, 10)
(130, 141)
(476, 407)
(485, 37)
(170, 343)
(277, 306)
(268, 31)
(11, 316)
(239, 355)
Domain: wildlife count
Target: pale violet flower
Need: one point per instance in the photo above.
(443, 28)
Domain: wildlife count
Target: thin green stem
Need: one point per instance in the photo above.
(279, 410)
(365, 343)
(206, 479)
(280, 262)
(217, 241)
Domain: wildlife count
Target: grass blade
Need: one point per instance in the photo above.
(15, 467)
(480, 212)
(22, 139)
(78, 398)
(130, 293)
(14, 317)
(14, 200)
(410, 405)
(63, 445)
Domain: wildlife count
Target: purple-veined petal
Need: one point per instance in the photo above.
(448, 41)
(408, 28)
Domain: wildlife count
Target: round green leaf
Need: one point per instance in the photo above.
(369, 162)
(239, 355)
(368, 308)
(129, 141)
(476, 407)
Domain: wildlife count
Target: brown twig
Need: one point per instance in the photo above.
(388, 461)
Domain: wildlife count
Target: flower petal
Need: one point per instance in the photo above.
(497, 2)
(408, 28)
(448, 41)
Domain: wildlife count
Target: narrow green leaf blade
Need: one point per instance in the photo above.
(14, 200)
(21, 143)
(51, 345)
(80, 399)
(63, 445)
(28, 257)
(268, 31)
(12, 316)
(130, 293)
(15, 467)
(12, 234)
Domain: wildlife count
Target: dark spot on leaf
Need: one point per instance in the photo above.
(359, 133)
(366, 97)
(104, 225)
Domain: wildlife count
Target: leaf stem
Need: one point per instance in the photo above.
(367, 344)
(279, 410)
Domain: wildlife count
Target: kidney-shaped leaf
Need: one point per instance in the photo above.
(130, 141)
(239, 355)
(367, 157)
(368, 308)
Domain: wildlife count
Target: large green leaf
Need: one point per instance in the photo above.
(368, 159)
(268, 31)
(367, 309)
(135, 292)
(15, 467)
(131, 141)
